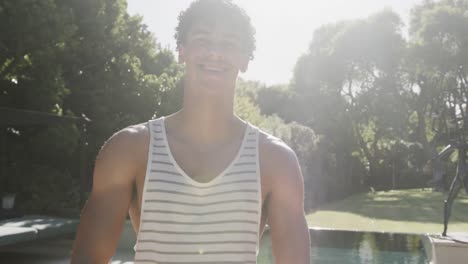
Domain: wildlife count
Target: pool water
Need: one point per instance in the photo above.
(328, 247)
(331, 246)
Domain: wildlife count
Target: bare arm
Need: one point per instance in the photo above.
(289, 230)
(104, 214)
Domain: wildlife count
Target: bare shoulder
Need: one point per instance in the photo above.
(279, 165)
(130, 139)
(122, 155)
(275, 154)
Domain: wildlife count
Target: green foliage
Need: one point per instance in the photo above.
(247, 110)
(379, 104)
(41, 165)
(83, 58)
(439, 45)
(300, 138)
(48, 189)
(348, 87)
(277, 100)
(32, 33)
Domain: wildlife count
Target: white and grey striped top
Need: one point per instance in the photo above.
(188, 222)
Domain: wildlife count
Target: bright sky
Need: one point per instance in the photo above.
(284, 28)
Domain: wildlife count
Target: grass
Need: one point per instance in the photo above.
(402, 211)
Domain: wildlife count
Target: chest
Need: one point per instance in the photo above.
(203, 165)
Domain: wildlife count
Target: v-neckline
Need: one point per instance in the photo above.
(182, 171)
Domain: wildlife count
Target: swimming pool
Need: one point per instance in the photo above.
(332, 246)
(328, 247)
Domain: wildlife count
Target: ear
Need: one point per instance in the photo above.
(244, 65)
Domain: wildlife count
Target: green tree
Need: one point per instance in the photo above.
(83, 58)
(439, 63)
(350, 84)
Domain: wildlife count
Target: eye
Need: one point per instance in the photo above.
(200, 42)
(230, 45)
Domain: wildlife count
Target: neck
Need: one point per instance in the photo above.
(207, 119)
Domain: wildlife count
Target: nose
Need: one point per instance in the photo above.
(214, 49)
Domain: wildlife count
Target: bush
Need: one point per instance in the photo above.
(47, 189)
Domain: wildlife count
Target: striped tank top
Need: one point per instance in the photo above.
(188, 222)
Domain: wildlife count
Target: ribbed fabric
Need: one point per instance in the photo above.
(188, 222)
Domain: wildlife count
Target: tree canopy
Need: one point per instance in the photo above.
(76, 57)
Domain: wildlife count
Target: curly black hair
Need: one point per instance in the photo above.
(217, 10)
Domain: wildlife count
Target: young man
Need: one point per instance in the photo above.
(200, 184)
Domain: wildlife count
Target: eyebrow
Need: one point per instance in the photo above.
(231, 36)
(200, 30)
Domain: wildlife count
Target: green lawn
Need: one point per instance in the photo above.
(407, 211)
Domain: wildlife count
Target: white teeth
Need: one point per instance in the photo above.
(213, 69)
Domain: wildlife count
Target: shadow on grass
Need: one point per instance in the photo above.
(402, 205)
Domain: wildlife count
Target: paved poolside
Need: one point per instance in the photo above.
(56, 251)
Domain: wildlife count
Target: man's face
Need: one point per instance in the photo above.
(213, 55)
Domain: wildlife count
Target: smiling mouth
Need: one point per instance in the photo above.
(212, 69)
